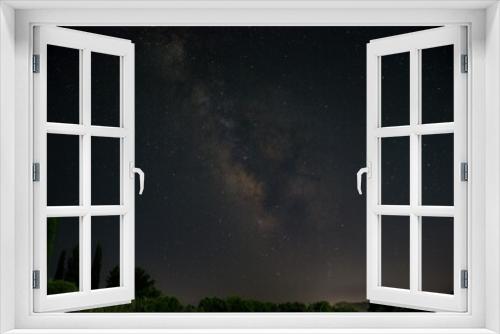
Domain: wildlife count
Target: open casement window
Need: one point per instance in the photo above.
(83, 170)
(417, 170)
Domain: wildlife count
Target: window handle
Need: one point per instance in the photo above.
(359, 174)
(135, 170)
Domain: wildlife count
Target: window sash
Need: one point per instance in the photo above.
(85, 297)
(413, 43)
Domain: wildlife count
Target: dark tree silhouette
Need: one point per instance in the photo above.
(113, 278)
(96, 268)
(72, 268)
(322, 306)
(52, 227)
(60, 286)
(212, 304)
(61, 266)
(148, 298)
(237, 304)
(349, 307)
(145, 285)
(164, 304)
(190, 308)
(292, 307)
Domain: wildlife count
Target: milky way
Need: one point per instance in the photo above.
(250, 139)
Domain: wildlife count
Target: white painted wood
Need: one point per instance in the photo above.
(415, 88)
(417, 129)
(80, 129)
(63, 303)
(371, 13)
(418, 210)
(414, 43)
(77, 211)
(7, 167)
(249, 4)
(86, 43)
(460, 229)
(491, 136)
(420, 40)
(260, 331)
(127, 230)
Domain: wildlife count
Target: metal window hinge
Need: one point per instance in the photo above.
(464, 279)
(36, 63)
(465, 63)
(36, 172)
(36, 279)
(464, 171)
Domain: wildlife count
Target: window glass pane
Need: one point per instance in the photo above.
(437, 254)
(395, 89)
(63, 170)
(395, 167)
(105, 171)
(396, 251)
(105, 101)
(63, 260)
(437, 170)
(437, 84)
(105, 252)
(63, 84)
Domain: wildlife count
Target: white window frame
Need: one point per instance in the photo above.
(413, 44)
(17, 18)
(85, 43)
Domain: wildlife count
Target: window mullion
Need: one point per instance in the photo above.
(85, 228)
(414, 171)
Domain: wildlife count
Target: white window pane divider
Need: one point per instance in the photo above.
(93, 130)
(415, 164)
(414, 129)
(78, 211)
(417, 210)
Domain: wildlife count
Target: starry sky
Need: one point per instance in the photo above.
(250, 138)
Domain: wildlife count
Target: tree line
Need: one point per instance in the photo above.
(148, 298)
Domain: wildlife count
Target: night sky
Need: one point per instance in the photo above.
(250, 138)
